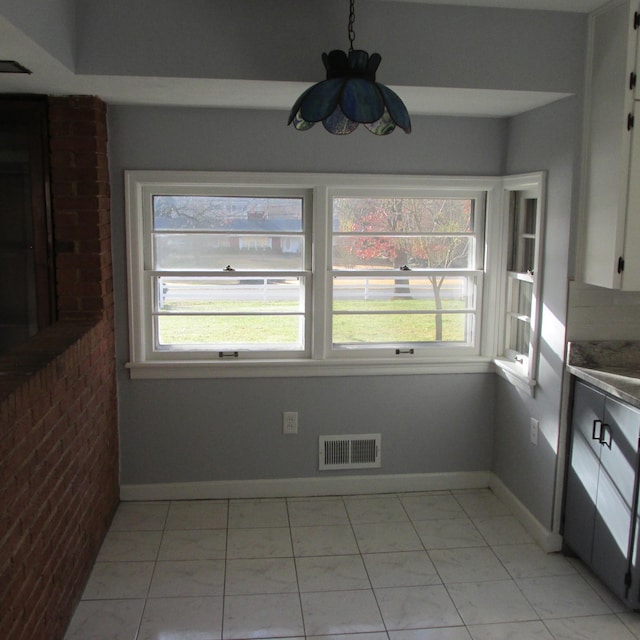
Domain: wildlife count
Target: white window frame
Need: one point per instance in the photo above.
(442, 350)
(322, 359)
(521, 369)
(145, 346)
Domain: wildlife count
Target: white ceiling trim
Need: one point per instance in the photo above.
(574, 6)
(51, 77)
(253, 94)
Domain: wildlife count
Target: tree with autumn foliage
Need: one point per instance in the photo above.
(406, 234)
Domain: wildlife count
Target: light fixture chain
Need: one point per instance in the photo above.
(352, 19)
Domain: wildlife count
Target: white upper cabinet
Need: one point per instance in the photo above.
(610, 241)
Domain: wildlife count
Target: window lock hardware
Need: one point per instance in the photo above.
(620, 264)
(405, 268)
(519, 359)
(404, 352)
(630, 121)
(633, 80)
(229, 268)
(227, 354)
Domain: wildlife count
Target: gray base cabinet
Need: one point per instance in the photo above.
(601, 496)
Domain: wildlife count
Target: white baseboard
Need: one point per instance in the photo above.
(302, 487)
(546, 539)
(346, 485)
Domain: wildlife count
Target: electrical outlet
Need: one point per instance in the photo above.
(290, 422)
(533, 432)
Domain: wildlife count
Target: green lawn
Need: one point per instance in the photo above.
(354, 328)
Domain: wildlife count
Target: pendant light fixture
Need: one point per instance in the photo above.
(350, 95)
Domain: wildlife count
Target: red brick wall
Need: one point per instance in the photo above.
(58, 416)
(81, 207)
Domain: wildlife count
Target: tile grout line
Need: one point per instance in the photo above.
(226, 565)
(435, 567)
(295, 569)
(373, 591)
(153, 572)
(618, 615)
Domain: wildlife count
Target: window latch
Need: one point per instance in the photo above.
(404, 352)
(229, 268)
(227, 354)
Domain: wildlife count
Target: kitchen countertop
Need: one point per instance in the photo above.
(610, 365)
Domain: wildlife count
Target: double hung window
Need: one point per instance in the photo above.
(228, 272)
(524, 210)
(406, 271)
(313, 274)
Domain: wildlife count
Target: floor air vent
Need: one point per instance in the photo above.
(360, 451)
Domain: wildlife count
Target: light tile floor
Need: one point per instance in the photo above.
(416, 566)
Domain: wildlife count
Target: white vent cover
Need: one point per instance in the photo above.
(360, 451)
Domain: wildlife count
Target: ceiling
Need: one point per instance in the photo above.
(50, 76)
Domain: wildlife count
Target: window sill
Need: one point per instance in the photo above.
(24, 361)
(304, 368)
(513, 374)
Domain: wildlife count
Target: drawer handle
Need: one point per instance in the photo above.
(597, 424)
(603, 430)
(606, 431)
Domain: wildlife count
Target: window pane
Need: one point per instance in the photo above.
(231, 332)
(527, 255)
(519, 336)
(403, 294)
(368, 330)
(392, 252)
(227, 213)
(524, 298)
(201, 251)
(523, 238)
(407, 306)
(230, 295)
(413, 215)
(529, 216)
(521, 297)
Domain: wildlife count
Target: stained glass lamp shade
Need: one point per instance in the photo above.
(350, 96)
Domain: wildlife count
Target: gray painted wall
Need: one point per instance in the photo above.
(547, 138)
(420, 44)
(50, 23)
(187, 430)
(203, 430)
